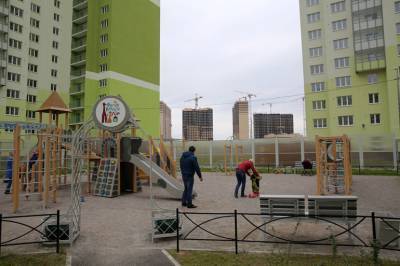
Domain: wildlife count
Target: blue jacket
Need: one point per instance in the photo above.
(9, 168)
(189, 164)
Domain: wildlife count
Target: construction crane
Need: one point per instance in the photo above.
(196, 100)
(270, 106)
(249, 95)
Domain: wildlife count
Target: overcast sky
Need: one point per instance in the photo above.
(217, 47)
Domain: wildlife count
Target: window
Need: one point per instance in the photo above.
(14, 43)
(56, 17)
(53, 87)
(33, 52)
(54, 58)
(13, 60)
(338, 7)
(398, 28)
(372, 78)
(319, 105)
(340, 43)
(398, 49)
(316, 51)
(55, 45)
(397, 6)
(104, 38)
(57, 3)
(103, 52)
(313, 17)
(30, 114)
(32, 68)
(54, 73)
(343, 101)
(13, 94)
(31, 98)
(104, 23)
(34, 37)
(104, 9)
(375, 118)
(10, 110)
(13, 77)
(103, 83)
(320, 123)
(312, 2)
(15, 27)
(315, 34)
(56, 31)
(317, 69)
(339, 25)
(346, 120)
(35, 8)
(317, 86)
(35, 23)
(342, 82)
(103, 67)
(16, 11)
(373, 98)
(342, 62)
(32, 83)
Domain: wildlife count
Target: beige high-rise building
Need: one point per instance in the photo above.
(165, 121)
(197, 124)
(240, 119)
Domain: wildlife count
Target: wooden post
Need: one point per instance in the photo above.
(47, 169)
(119, 161)
(16, 162)
(40, 161)
(161, 154)
(54, 164)
(318, 164)
(88, 151)
(133, 132)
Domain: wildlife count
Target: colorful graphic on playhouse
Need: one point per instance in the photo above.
(110, 112)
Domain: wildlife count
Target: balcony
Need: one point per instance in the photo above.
(4, 11)
(79, 30)
(2, 81)
(77, 89)
(3, 62)
(76, 105)
(79, 45)
(78, 60)
(80, 17)
(79, 4)
(3, 27)
(367, 24)
(368, 44)
(365, 4)
(77, 74)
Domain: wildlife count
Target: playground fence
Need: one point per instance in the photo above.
(362, 231)
(31, 230)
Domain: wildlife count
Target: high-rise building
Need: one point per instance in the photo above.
(165, 121)
(265, 124)
(351, 49)
(35, 47)
(197, 124)
(116, 51)
(240, 119)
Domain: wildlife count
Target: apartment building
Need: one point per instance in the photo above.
(197, 124)
(240, 119)
(35, 47)
(277, 124)
(165, 121)
(351, 52)
(116, 51)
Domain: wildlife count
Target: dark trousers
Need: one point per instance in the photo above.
(9, 182)
(241, 181)
(188, 181)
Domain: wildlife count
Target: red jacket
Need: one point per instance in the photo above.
(246, 165)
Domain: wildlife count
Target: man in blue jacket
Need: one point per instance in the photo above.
(189, 166)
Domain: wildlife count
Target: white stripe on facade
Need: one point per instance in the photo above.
(156, 2)
(123, 78)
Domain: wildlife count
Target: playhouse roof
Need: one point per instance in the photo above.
(54, 103)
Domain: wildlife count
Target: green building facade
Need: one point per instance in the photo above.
(350, 57)
(116, 51)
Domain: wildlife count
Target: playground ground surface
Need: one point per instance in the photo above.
(121, 226)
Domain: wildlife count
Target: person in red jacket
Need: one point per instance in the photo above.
(241, 170)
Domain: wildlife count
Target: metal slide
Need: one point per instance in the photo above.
(173, 186)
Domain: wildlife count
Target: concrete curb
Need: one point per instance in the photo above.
(68, 260)
(171, 259)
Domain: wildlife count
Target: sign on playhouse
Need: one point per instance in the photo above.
(111, 113)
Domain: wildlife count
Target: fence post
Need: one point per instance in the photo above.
(1, 223)
(236, 233)
(58, 232)
(177, 230)
(373, 227)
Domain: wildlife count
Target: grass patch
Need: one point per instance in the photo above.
(51, 259)
(191, 258)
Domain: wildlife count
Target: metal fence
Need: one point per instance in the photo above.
(26, 231)
(368, 231)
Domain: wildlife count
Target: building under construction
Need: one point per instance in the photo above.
(197, 124)
(165, 121)
(266, 124)
(240, 119)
